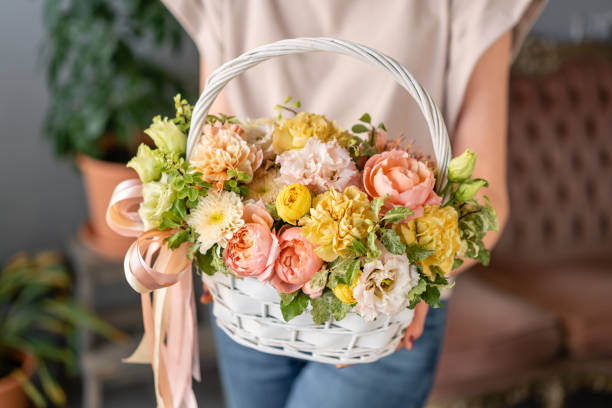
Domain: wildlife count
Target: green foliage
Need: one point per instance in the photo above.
(475, 220)
(103, 91)
(36, 310)
(289, 105)
(364, 147)
(326, 306)
(293, 304)
(417, 253)
(397, 214)
(376, 204)
(392, 242)
(319, 279)
(211, 262)
(428, 290)
(220, 119)
(343, 270)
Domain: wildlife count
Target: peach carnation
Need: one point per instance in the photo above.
(223, 148)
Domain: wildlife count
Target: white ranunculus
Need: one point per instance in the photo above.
(259, 133)
(383, 286)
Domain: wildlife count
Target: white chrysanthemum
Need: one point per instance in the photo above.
(265, 186)
(383, 286)
(259, 132)
(319, 166)
(216, 217)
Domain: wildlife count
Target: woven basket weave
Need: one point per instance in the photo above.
(248, 310)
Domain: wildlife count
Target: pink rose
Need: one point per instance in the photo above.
(407, 181)
(255, 212)
(252, 251)
(296, 263)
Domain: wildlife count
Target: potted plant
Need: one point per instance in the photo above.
(37, 319)
(104, 92)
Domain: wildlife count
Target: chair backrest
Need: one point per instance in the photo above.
(560, 165)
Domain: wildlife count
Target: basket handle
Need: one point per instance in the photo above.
(226, 72)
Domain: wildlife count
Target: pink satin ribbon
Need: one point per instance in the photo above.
(163, 278)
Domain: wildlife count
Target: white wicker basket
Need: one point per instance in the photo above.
(249, 311)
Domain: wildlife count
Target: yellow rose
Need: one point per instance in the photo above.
(436, 230)
(293, 133)
(345, 292)
(293, 202)
(336, 219)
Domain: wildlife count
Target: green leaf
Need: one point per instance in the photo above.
(339, 309)
(365, 118)
(178, 238)
(392, 242)
(417, 253)
(243, 176)
(432, 296)
(359, 128)
(414, 295)
(397, 214)
(374, 251)
(321, 308)
(319, 279)
(295, 307)
(211, 262)
(192, 194)
(358, 247)
(344, 270)
(287, 298)
(376, 204)
(381, 125)
(457, 262)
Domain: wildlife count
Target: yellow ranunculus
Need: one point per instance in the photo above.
(293, 202)
(345, 292)
(336, 219)
(436, 230)
(293, 133)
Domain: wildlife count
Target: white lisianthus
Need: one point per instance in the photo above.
(216, 217)
(383, 286)
(167, 136)
(158, 197)
(259, 133)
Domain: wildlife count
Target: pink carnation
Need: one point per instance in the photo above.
(319, 166)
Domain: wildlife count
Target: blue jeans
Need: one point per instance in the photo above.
(252, 379)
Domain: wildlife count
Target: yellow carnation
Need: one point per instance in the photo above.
(336, 219)
(293, 133)
(436, 230)
(293, 202)
(345, 292)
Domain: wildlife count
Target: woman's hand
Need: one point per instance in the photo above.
(415, 329)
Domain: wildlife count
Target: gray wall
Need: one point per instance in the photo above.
(41, 198)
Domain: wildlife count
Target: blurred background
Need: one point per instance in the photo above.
(546, 343)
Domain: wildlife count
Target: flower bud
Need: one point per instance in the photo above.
(461, 167)
(468, 189)
(167, 136)
(147, 164)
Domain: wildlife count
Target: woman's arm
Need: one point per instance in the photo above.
(482, 126)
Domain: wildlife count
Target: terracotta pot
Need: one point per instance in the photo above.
(11, 393)
(100, 179)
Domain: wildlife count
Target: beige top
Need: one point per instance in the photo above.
(439, 41)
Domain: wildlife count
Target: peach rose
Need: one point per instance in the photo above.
(296, 263)
(407, 181)
(252, 251)
(255, 212)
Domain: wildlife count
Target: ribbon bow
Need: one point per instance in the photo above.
(163, 278)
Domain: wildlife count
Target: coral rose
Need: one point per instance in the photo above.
(255, 212)
(223, 148)
(407, 181)
(297, 262)
(252, 251)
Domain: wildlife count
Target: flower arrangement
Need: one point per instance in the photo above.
(334, 220)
